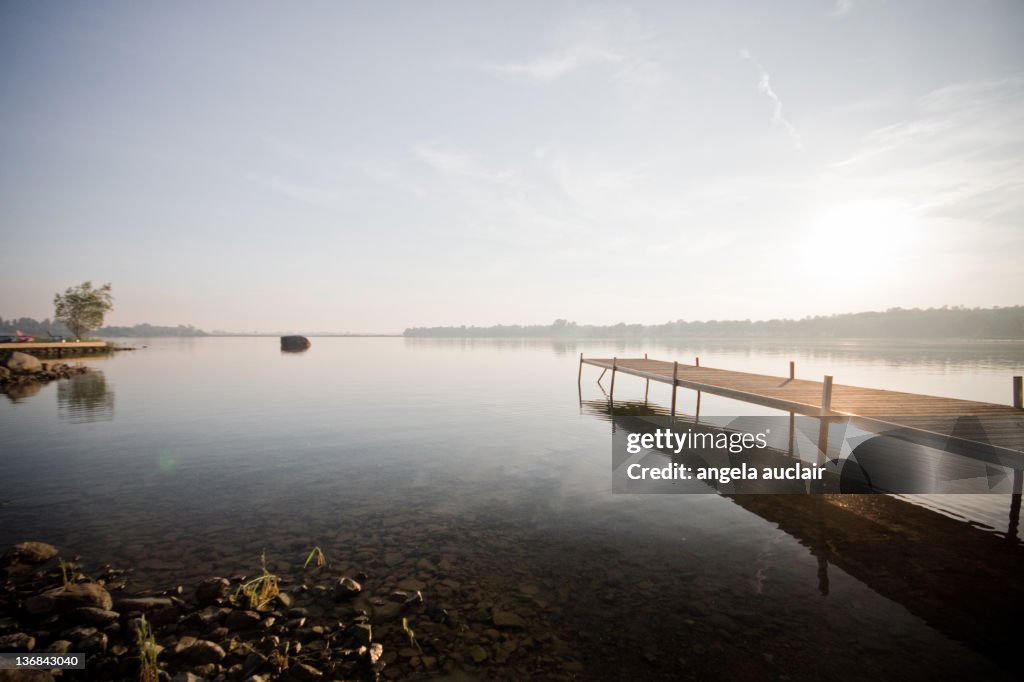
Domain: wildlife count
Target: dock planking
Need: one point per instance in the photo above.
(1000, 427)
(51, 345)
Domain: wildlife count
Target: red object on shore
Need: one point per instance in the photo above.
(23, 337)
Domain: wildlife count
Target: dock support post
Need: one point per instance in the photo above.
(826, 407)
(611, 393)
(696, 416)
(792, 428)
(1018, 392)
(579, 376)
(792, 370)
(826, 395)
(1018, 487)
(647, 387)
(698, 362)
(675, 378)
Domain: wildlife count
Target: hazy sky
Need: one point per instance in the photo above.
(371, 166)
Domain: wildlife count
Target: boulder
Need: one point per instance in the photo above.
(294, 343)
(23, 362)
(69, 598)
(27, 554)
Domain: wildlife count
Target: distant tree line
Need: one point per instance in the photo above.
(48, 327)
(947, 322)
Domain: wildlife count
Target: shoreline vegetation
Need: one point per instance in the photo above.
(947, 323)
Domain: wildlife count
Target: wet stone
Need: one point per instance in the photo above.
(202, 651)
(93, 615)
(346, 588)
(242, 620)
(19, 642)
(302, 672)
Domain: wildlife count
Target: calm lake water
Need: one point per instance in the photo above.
(472, 467)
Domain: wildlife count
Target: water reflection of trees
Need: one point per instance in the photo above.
(85, 398)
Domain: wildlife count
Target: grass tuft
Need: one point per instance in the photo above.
(146, 642)
(261, 589)
(410, 634)
(316, 557)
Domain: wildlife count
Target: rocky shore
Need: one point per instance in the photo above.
(22, 374)
(256, 628)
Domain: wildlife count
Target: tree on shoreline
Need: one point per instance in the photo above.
(82, 308)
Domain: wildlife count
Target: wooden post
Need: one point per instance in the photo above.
(698, 362)
(826, 395)
(792, 370)
(611, 393)
(579, 376)
(647, 387)
(1018, 487)
(675, 377)
(792, 427)
(696, 416)
(1018, 392)
(826, 407)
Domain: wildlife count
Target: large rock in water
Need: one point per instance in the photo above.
(23, 362)
(294, 343)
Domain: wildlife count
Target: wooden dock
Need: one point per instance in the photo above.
(56, 348)
(994, 432)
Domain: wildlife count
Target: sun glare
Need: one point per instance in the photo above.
(869, 237)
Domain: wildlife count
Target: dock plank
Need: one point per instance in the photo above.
(1001, 426)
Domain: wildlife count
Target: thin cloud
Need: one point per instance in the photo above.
(959, 156)
(554, 65)
(764, 86)
(324, 197)
(843, 7)
(450, 162)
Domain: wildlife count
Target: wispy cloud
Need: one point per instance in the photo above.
(324, 197)
(843, 7)
(452, 162)
(764, 86)
(555, 64)
(617, 41)
(960, 156)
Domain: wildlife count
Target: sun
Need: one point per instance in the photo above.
(856, 239)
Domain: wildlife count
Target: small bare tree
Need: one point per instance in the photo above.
(82, 308)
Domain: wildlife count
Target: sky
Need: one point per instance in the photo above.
(367, 167)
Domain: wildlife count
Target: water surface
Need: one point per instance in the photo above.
(472, 468)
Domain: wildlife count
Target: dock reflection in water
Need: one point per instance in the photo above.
(962, 579)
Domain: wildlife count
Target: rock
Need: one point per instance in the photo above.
(294, 343)
(253, 662)
(4, 373)
(93, 643)
(187, 677)
(374, 653)
(23, 362)
(19, 642)
(143, 603)
(242, 620)
(68, 598)
(478, 653)
(301, 672)
(212, 591)
(362, 633)
(28, 554)
(507, 620)
(346, 588)
(200, 652)
(61, 646)
(93, 615)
